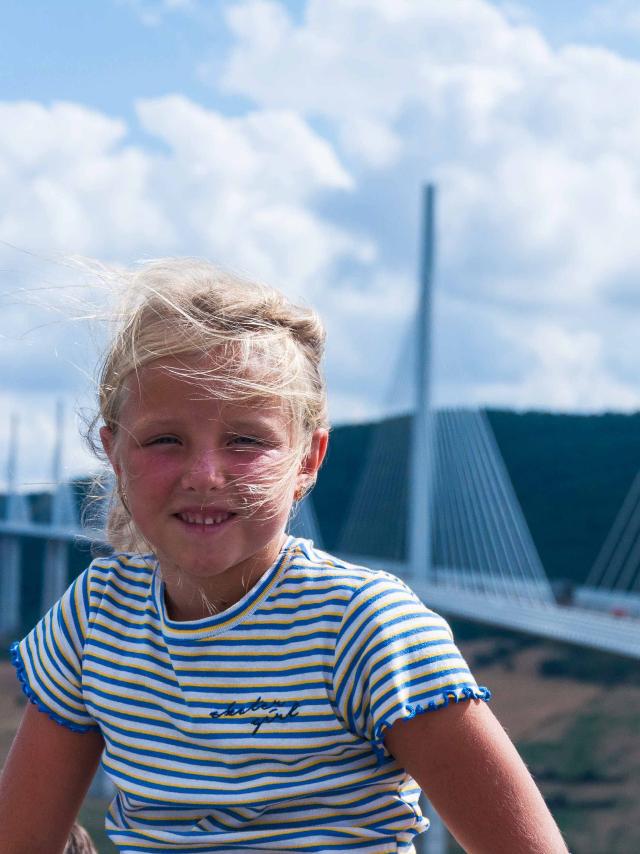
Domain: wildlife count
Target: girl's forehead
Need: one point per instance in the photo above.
(214, 368)
(201, 379)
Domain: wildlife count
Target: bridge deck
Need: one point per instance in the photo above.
(590, 628)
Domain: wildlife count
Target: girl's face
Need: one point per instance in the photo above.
(208, 482)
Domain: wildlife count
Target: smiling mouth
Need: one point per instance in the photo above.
(204, 520)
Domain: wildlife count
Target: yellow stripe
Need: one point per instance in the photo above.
(123, 597)
(211, 682)
(430, 628)
(424, 664)
(138, 562)
(166, 766)
(62, 641)
(311, 600)
(189, 749)
(147, 608)
(446, 686)
(149, 651)
(230, 655)
(394, 808)
(148, 785)
(45, 680)
(222, 756)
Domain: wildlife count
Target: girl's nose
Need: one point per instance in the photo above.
(203, 473)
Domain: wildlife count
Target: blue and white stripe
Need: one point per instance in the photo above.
(256, 729)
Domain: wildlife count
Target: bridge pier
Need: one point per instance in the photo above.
(10, 553)
(17, 511)
(56, 559)
(63, 513)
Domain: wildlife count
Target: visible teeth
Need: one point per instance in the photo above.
(198, 519)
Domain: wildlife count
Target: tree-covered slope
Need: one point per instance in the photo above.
(570, 474)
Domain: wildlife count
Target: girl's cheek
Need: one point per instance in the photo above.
(267, 470)
(255, 462)
(273, 466)
(151, 467)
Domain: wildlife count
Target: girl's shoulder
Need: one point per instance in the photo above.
(124, 563)
(124, 571)
(310, 563)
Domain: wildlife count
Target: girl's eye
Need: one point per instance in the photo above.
(247, 441)
(162, 440)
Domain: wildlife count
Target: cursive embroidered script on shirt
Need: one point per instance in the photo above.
(261, 711)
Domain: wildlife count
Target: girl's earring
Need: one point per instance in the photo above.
(302, 491)
(122, 495)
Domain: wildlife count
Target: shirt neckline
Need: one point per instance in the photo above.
(207, 627)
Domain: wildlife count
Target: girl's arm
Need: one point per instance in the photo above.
(43, 783)
(468, 768)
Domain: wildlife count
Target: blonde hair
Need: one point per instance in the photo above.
(79, 842)
(265, 347)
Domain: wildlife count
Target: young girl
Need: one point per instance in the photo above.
(247, 692)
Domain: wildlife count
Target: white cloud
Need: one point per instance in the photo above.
(242, 190)
(566, 369)
(275, 150)
(370, 140)
(238, 190)
(315, 188)
(374, 59)
(70, 182)
(534, 150)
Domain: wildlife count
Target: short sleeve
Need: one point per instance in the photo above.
(394, 659)
(48, 660)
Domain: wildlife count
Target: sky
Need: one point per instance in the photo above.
(290, 141)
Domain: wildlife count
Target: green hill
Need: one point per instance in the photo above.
(570, 474)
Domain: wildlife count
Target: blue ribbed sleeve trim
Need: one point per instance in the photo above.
(452, 696)
(16, 660)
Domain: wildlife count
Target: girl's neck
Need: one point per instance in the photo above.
(189, 599)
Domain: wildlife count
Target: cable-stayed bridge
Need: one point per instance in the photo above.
(462, 541)
(483, 564)
(438, 510)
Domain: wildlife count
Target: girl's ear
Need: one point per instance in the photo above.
(108, 440)
(317, 450)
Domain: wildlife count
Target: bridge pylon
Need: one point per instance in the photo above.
(17, 511)
(421, 468)
(419, 518)
(63, 514)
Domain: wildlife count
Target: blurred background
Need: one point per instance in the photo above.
(289, 140)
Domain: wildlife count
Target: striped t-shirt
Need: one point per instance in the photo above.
(259, 728)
